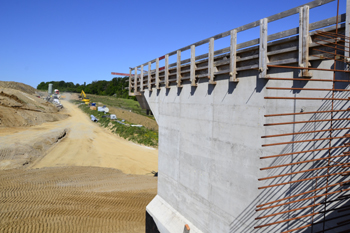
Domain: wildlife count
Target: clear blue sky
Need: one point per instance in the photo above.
(85, 40)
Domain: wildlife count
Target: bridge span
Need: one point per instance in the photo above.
(254, 137)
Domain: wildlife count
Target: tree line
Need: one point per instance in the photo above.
(117, 86)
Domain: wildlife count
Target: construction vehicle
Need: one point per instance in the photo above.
(84, 98)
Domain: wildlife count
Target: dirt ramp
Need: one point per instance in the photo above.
(74, 199)
(23, 149)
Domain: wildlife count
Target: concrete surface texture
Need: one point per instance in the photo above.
(210, 145)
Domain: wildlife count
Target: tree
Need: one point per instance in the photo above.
(99, 87)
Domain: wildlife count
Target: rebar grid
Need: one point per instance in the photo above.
(327, 173)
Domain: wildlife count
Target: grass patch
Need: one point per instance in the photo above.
(140, 135)
(39, 107)
(127, 104)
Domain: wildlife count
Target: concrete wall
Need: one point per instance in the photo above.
(209, 148)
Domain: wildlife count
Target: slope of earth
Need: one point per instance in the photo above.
(19, 107)
(18, 86)
(73, 199)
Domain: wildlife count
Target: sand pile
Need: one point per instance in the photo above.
(20, 106)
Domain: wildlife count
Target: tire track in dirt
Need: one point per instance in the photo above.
(74, 199)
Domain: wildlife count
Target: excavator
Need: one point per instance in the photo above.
(83, 97)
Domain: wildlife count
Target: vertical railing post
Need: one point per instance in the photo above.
(263, 60)
(300, 49)
(347, 34)
(178, 69)
(211, 61)
(130, 83)
(233, 56)
(149, 76)
(166, 71)
(193, 66)
(141, 79)
(157, 73)
(135, 82)
(304, 40)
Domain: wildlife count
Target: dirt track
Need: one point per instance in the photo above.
(72, 184)
(86, 144)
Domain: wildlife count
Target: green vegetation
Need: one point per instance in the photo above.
(116, 87)
(140, 135)
(39, 107)
(127, 104)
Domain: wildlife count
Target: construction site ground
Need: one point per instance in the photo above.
(71, 175)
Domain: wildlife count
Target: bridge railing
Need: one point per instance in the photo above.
(292, 46)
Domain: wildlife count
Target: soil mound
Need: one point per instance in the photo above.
(19, 106)
(18, 86)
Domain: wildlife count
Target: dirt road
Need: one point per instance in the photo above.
(87, 144)
(74, 186)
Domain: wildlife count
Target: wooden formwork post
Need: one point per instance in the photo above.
(178, 68)
(135, 82)
(193, 66)
(304, 40)
(166, 71)
(211, 67)
(149, 77)
(141, 79)
(347, 33)
(263, 60)
(157, 73)
(130, 83)
(233, 56)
